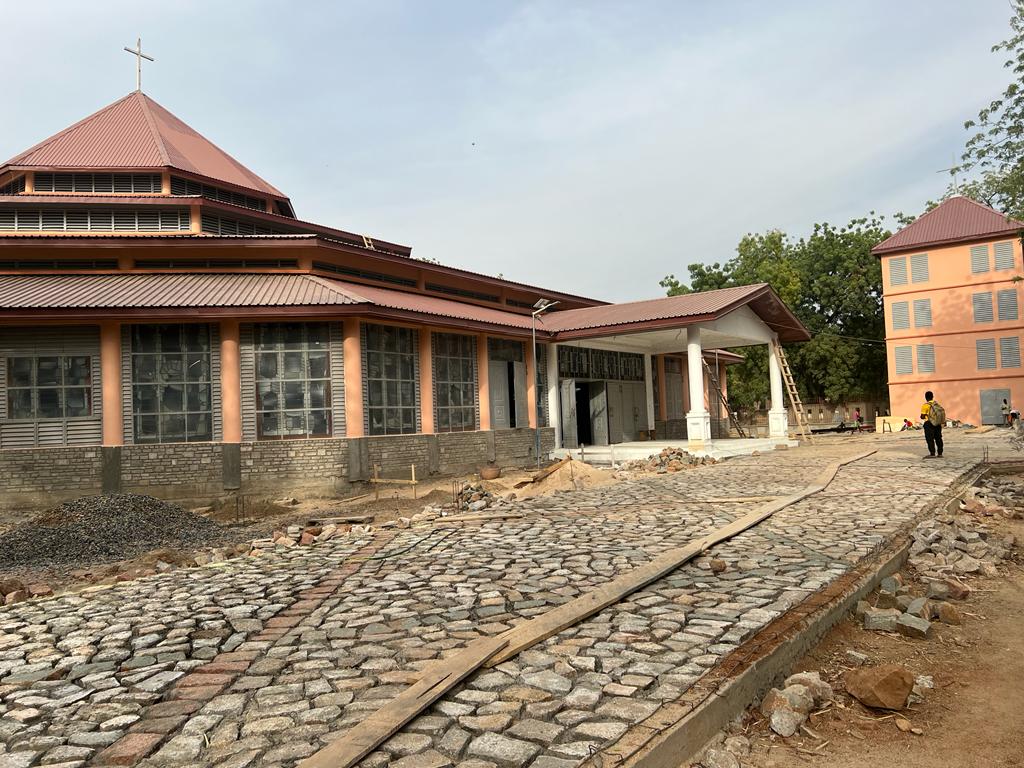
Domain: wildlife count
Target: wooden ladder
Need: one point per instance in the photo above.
(713, 380)
(802, 428)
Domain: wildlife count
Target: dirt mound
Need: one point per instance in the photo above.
(571, 476)
(101, 529)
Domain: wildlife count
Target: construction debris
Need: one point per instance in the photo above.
(957, 545)
(887, 686)
(667, 460)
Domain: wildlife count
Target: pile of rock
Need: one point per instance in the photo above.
(896, 609)
(16, 591)
(787, 708)
(475, 498)
(995, 496)
(959, 546)
(96, 529)
(668, 460)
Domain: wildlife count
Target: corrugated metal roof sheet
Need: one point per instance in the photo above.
(168, 290)
(686, 305)
(136, 132)
(958, 219)
(432, 305)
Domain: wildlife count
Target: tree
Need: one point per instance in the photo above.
(833, 284)
(996, 149)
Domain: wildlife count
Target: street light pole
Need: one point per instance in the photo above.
(542, 306)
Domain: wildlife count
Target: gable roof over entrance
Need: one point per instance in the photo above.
(956, 220)
(137, 133)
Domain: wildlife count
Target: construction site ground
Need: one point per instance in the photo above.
(264, 661)
(971, 718)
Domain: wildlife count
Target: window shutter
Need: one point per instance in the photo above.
(900, 315)
(919, 268)
(926, 358)
(982, 307)
(922, 313)
(1007, 304)
(898, 270)
(1009, 352)
(1004, 255)
(904, 360)
(979, 258)
(986, 349)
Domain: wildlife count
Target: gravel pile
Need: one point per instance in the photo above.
(669, 460)
(101, 529)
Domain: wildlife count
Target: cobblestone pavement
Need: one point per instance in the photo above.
(263, 661)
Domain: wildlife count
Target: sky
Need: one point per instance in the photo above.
(590, 147)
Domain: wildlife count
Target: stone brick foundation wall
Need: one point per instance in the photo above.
(39, 477)
(36, 477)
(172, 470)
(294, 467)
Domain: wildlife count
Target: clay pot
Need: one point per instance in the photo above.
(490, 473)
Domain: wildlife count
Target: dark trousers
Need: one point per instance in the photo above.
(933, 436)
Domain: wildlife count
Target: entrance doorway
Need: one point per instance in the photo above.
(992, 405)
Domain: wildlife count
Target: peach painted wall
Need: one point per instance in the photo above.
(957, 382)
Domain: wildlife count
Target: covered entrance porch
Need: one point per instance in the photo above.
(627, 380)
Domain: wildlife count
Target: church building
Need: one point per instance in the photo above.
(169, 325)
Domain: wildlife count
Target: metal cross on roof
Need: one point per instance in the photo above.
(139, 56)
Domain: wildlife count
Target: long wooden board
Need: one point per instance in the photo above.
(373, 731)
(441, 677)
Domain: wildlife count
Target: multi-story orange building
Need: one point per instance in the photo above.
(952, 312)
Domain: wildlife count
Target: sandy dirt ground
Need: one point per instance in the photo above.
(973, 717)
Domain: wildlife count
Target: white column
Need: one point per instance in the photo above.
(554, 411)
(698, 420)
(778, 416)
(649, 391)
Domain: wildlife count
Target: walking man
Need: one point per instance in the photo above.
(934, 416)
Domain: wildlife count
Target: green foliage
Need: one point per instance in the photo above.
(996, 148)
(833, 284)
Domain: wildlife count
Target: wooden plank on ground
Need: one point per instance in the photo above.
(375, 729)
(546, 472)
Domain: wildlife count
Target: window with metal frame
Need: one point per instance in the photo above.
(49, 387)
(293, 380)
(94, 220)
(922, 313)
(900, 315)
(979, 259)
(926, 358)
(982, 307)
(1004, 255)
(1009, 352)
(13, 187)
(455, 382)
(390, 379)
(172, 397)
(904, 360)
(919, 268)
(986, 353)
(1006, 304)
(898, 270)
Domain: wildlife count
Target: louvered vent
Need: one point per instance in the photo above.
(982, 307)
(979, 259)
(986, 350)
(339, 269)
(898, 270)
(219, 225)
(78, 220)
(1006, 301)
(926, 358)
(904, 360)
(120, 183)
(922, 313)
(900, 315)
(180, 186)
(13, 187)
(1009, 352)
(58, 264)
(1004, 255)
(919, 268)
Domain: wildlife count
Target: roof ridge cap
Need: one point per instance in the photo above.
(151, 122)
(47, 141)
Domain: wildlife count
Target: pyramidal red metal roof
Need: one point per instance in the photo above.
(956, 220)
(136, 132)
